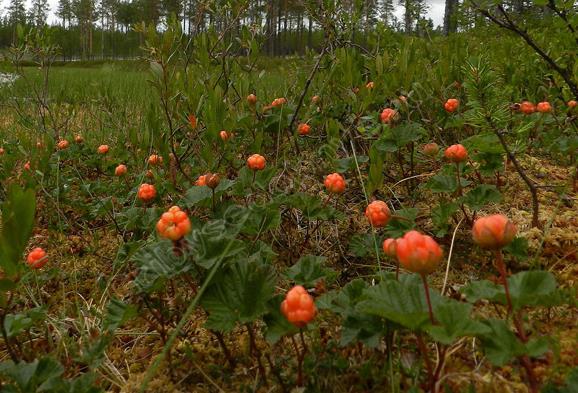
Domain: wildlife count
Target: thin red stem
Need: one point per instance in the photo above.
(426, 287)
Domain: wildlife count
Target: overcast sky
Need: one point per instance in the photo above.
(436, 10)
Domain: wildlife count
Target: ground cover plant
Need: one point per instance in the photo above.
(397, 214)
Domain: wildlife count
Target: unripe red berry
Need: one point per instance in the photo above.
(256, 162)
(303, 129)
(155, 159)
(451, 105)
(298, 306)
(378, 213)
(147, 192)
(62, 144)
(544, 107)
(251, 99)
(192, 121)
(174, 224)
(527, 108)
(225, 135)
(334, 183)
(78, 139)
(456, 153)
(120, 170)
(493, 232)
(418, 253)
(389, 247)
(431, 149)
(37, 258)
(388, 115)
(201, 181)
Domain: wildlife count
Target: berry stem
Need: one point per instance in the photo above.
(501, 266)
(423, 349)
(299, 362)
(430, 309)
(518, 323)
(213, 198)
(459, 179)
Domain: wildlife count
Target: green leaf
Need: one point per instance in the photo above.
(202, 195)
(482, 195)
(208, 242)
(397, 227)
(262, 218)
(454, 321)
(484, 289)
(309, 270)
(16, 323)
(440, 216)
(37, 376)
(277, 325)
(18, 212)
(402, 302)
(117, 313)
(311, 206)
(484, 142)
(442, 184)
(518, 248)
(362, 245)
(158, 262)
(356, 326)
(531, 288)
(240, 295)
(499, 343)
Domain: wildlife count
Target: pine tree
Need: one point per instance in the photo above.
(64, 11)
(413, 12)
(386, 10)
(16, 12)
(450, 25)
(84, 11)
(39, 12)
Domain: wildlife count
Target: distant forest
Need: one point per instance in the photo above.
(113, 29)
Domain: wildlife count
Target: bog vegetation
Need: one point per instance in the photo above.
(382, 211)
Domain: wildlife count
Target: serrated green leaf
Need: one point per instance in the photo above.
(277, 325)
(402, 302)
(240, 295)
(482, 195)
(309, 270)
(531, 288)
(117, 313)
(454, 321)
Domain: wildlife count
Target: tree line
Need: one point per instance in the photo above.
(101, 29)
